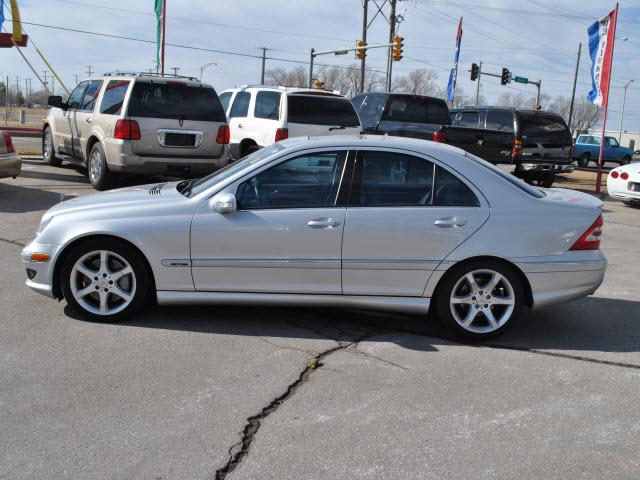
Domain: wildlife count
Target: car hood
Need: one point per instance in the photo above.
(112, 200)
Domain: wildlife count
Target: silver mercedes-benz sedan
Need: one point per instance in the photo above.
(369, 222)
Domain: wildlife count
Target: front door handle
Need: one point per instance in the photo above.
(450, 222)
(239, 125)
(89, 120)
(323, 223)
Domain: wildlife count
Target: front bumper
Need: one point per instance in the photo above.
(40, 274)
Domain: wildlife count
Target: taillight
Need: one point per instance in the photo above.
(439, 136)
(127, 130)
(590, 240)
(9, 141)
(614, 174)
(224, 135)
(282, 134)
(516, 149)
(624, 176)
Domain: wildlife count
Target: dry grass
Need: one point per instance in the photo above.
(583, 181)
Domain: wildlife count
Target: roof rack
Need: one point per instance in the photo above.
(290, 87)
(149, 74)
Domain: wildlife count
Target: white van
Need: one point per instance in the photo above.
(261, 115)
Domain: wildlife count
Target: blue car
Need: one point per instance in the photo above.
(587, 149)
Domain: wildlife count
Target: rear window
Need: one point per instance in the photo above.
(175, 100)
(542, 125)
(416, 110)
(321, 110)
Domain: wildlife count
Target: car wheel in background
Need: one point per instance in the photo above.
(547, 179)
(480, 299)
(97, 170)
(104, 280)
(48, 149)
(625, 160)
(584, 160)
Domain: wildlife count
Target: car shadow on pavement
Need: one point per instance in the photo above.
(21, 199)
(56, 177)
(590, 324)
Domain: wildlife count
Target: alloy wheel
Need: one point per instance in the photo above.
(482, 301)
(95, 166)
(48, 145)
(103, 282)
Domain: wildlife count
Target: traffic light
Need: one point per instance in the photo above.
(360, 54)
(397, 48)
(475, 70)
(318, 84)
(505, 77)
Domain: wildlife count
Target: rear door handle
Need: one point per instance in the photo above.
(450, 222)
(89, 120)
(323, 223)
(239, 125)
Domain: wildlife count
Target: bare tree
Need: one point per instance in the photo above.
(296, 77)
(418, 82)
(512, 101)
(585, 114)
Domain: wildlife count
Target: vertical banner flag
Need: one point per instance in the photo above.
(1, 13)
(17, 26)
(453, 76)
(159, 8)
(601, 40)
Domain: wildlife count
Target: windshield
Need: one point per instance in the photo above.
(417, 110)
(534, 192)
(219, 175)
(175, 100)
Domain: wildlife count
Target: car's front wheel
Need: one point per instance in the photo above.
(584, 160)
(626, 160)
(104, 280)
(480, 299)
(97, 169)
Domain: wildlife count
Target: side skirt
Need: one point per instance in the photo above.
(416, 305)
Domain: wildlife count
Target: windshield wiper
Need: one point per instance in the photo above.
(341, 127)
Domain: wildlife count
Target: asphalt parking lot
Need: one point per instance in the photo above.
(266, 393)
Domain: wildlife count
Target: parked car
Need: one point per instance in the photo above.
(343, 221)
(10, 163)
(137, 123)
(587, 149)
(537, 143)
(261, 115)
(623, 183)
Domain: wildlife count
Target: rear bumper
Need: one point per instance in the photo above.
(169, 165)
(577, 275)
(546, 167)
(10, 165)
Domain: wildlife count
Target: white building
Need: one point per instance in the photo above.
(627, 139)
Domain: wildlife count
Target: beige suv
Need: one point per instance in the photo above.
(137, 123)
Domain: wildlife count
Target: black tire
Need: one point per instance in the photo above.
(97, 169)
(49, 153)
(140, 282)
(626, 160)
(248, 149)
(475, 331)
(584, 160)
(547, 179)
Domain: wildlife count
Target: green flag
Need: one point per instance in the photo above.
(159, 9)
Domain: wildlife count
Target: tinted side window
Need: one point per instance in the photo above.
(370, 109)
(267, 105)
(321, 110)
(610, 142)
(452, 192)
(75, 98)
(500, 120)
(224, 100)
(114, 97)
(468, 119)
(311, 180)
(90, 94)
(416, 109)
(240, 106)
(392, 179)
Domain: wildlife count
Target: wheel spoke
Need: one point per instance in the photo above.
(104, 266)
(472, 282)
(468, 319)
(502, 301)
(103, 302)
(115, 276)
(491, 318)
(87, 272)
(491, 284)
(466, 300)
(85, 291)
(116, 290)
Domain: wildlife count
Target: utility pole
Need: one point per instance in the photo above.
(46, 83)
(392, 33)
(17, 89)
(90, 70)
(53, 85)
(311, 57)
(264, 61)
(175, 71)
(75, 78)
(624, 98)
(365, 5)
(26, 89)
(538, 84)
(575, 82)
(478, 85)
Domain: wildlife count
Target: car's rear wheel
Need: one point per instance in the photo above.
(584, 160)
(625, 160)
(97, 169)
(480, 299)
(48, 149)
(104, 280)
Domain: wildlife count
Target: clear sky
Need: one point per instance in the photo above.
(533, 38)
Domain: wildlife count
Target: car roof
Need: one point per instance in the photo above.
(191, 81)
(371, 141)
(280, 88)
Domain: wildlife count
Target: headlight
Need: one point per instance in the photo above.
(43, 225)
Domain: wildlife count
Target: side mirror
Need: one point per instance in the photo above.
(55, 101)
(224, 202)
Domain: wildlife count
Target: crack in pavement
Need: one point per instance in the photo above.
(12, 242)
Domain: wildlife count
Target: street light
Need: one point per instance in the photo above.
(624, 98)
(204, 67)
